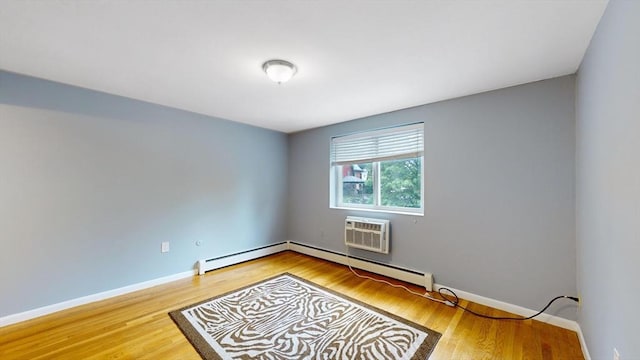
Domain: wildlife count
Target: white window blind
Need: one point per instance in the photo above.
(379, 145)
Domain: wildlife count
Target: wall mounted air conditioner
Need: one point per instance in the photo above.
(366, 233)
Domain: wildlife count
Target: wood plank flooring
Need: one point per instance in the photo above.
(137, 326)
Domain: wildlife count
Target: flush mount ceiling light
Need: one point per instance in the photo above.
(279, 71)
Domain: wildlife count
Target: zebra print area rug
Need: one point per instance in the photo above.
(287, 317)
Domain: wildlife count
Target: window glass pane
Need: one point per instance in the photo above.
(357, 183)
(400, 182)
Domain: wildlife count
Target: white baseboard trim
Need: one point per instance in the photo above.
(49, 309)
(214, 264)
(583, 344)
(514, 309)
(217, 263)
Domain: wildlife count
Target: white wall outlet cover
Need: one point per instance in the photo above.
(164, 247)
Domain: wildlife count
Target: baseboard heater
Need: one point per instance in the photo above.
(205, 265)
(394, 272)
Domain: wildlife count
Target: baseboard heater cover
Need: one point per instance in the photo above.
(205, 265)
(407, 275)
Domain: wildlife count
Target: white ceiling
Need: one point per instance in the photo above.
(354, 58)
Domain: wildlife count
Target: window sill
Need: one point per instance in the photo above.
(383, 211)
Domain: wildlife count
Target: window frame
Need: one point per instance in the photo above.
(336, 184)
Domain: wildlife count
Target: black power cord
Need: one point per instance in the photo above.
(457, 300)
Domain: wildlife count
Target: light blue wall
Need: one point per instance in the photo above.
(91, 184)
(499, 198)
(608, 184)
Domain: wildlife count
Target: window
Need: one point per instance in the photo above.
(379, 170)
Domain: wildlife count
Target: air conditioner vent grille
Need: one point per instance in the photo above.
(366, 233)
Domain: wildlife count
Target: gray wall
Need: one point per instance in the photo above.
(608, 184)
(499, 194)
(91, 184)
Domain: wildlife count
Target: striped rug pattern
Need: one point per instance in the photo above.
(287, 317)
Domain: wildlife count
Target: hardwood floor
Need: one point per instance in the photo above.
(136, 325)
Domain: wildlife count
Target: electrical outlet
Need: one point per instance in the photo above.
(579, 300)
(164, 247)
(616, 354)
